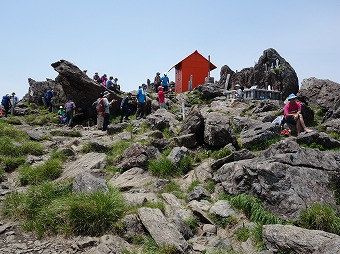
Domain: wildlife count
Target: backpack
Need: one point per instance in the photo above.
(4, 100)
(101, 106)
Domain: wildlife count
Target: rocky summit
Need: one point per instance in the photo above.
(214, 176)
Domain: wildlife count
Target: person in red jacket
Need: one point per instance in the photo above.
(292, 114)
(161, 98)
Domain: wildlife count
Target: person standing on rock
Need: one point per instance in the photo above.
(100, 110)
(124, 107)
(161, 98)
(70, 106)
(292, 114)
(157, 82)
(141, 102)
(165, 82)
(6, 103)
(107, 106)
(48, 99)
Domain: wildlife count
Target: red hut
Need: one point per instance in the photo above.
(194, 65)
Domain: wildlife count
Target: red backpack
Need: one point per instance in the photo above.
(101, 107)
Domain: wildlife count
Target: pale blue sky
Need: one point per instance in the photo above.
(132, 40)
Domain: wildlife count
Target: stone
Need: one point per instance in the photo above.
(85, 182)
(198, 193)
(177, 154)
(222, 209)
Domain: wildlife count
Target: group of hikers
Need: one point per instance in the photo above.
(8, 103)
(110, 83)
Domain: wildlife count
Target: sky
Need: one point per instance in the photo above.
(132, 40)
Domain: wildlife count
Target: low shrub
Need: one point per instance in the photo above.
(243, 234)
(221, 153)
(185, 164)
(192, 223)
(264, 144)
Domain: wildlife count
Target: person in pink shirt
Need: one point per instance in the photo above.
(161, 98)
(292, 114)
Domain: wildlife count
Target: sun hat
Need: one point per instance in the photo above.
(106, 93)
(291, 96)
(61, 107)
(237, 85)
(143, 85)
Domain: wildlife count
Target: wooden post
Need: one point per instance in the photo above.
(190, 84)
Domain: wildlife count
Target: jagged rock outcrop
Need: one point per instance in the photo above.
(271, 70)
(284, 177)
(323, 93)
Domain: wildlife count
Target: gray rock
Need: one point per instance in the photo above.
(115, 244)
(161, 230)
(321, 138)
(333, 125)
(234, 156)
(162, 119)
(217, 130)
(175, 207)
(198, 193)
(85, 182)
(186, 140)
(211, 243)
(177, 154)
(209, 229)
(289, 238)
(137, 155)
(203, 172)
(132, 226)
(329, 247)
(116, 128)
(139, 198)
(223, 209)
(133, 178)
(258, 134)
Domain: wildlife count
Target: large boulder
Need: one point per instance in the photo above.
(271, 70)
(194, 124)
(323, 93)
(283, 177)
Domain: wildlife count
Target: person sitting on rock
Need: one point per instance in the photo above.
(96, 77)
(110, 84)
(238, 92)
(103, 80)
(292, 114)
(62, 115)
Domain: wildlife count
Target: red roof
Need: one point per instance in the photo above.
(212, 66)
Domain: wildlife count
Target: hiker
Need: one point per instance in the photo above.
(141, 102)
(107, 106)
(103, 80)
(70, 106)
(14, 101)
(292, 114)
(116, 87)
(109, 83)
(96, 77)
(6, 103)
(161, 98)
(48, 99)
(61, 115)
(157, 82)
(165, 82)
(238, 92)
(124, 107)
(98, 105)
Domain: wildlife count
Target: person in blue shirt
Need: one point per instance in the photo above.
(141, 102)
(165, 82)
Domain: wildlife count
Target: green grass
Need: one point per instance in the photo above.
(163, 167)
(314, 146)
(185, 164)
(335, 135)
(53, 209)
(243, 234)
(223, 222)
(321, 217)
(221, 153)
(14, 121)
(210, 186)
(50, 170)
(193, 184)
(192, 223)
(174, 189)
(41, 119)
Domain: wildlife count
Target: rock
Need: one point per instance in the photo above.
(182, 227)
(86, 163)
(333, 125)
(321, 92)
(329, 247)
(203, 205)
(209, 229)
(217, 130)
(161, 230)
(321, 138)
(243, 154)
(210, 243)
(198, 193)
(116, 128)
(137, 155)
(283, 177)
(162, 119)
(175, 207)
(265, 73)
(210, 91)
(85, 182)
(203, 172)
(115, 244)
(194, 124)
(177, 154)
(132, 226)
(36, 135)
(289, 238)
(222, 209)
(258, 134)
(133, 178)
(139, 198)
(244, 123)
(187, 140)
